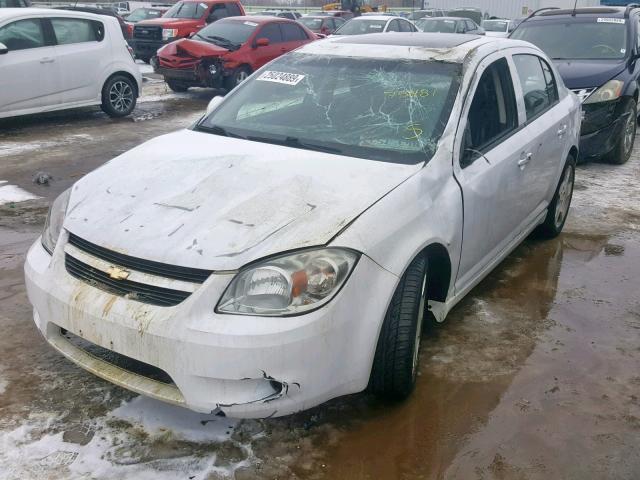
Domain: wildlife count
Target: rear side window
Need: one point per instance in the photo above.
(393, 26)
(404, 26)
(218, 11)
(22, 35)
(234, 10)
(272, 32)
(77, 30)
(493, 113)
(292, 32)
(538, 89)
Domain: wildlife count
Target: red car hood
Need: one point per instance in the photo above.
(170, 22)
(192, 48)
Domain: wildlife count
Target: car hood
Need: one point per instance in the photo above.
(205, 201)
(169, 22)
(588, 73)
(193, 48)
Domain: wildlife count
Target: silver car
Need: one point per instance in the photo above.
(289, 247)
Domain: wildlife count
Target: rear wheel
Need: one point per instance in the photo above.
(178, 87)
(559, 206)
(395, 365)
(622, 151)
(119, 96)
(238, 76)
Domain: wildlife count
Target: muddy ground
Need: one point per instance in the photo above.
(535, 375)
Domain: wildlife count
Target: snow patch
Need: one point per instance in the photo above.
(16, 148)
(13, 194)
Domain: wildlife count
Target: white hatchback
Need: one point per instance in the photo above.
(289, 247)
(57, 59)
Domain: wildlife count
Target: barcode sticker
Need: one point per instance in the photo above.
(281, 77)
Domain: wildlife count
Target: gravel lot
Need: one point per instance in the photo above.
(535, 375)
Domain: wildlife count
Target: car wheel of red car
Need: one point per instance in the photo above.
(239, 75)
(178, 87)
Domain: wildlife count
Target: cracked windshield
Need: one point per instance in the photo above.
(369, 108)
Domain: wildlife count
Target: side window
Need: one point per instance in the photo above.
(460, 27)
(404, 26)
(272, 32)
(552, 87)
(233, 10)
(292, 32)
(393, 26)
(77, 30)
(493, 113)
(330, 23)
(471, 25)
(218, 11)
(22, 35)
(534, 85)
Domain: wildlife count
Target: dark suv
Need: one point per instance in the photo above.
(597, 52)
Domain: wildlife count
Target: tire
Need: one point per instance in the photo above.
(238, 76)
(624, 146)
(559, 206)
(119, 95)
(395, 365)
(177, 86)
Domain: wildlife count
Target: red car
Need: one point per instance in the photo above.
(226, 52)
(183, 19)
(323, 25)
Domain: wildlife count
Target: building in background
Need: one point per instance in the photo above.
(506, 8)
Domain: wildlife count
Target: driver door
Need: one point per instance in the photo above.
(276, 47)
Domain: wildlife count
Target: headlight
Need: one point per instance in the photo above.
(609, 91)
(169, 33)
(289, 284)
(53, 224)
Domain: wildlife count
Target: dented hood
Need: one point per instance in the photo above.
(169, 22)
(201, 200)
(193, 48)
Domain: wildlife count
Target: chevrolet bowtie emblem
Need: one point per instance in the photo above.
(117, 273)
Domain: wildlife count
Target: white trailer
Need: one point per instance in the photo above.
(507, 8)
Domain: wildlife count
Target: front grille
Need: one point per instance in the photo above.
(186, 274)
(164, 297)
(188, 75)
(122, 361)
(142, 32)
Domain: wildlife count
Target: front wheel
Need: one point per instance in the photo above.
(622, 151)
(395, 365)
(119, 96)
(559, 206)
(238, 76)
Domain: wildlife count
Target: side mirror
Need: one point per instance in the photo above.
(3, 49)
(262, 42)
(213, 103)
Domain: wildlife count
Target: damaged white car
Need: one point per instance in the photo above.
(288, 248)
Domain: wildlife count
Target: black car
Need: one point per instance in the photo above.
(597, 52)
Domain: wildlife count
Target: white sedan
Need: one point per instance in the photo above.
(375, 24)
(58, 59)
(288, 248)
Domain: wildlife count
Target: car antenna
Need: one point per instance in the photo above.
(573, 14)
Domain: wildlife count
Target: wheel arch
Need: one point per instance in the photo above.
(124, 73)
(438, 271)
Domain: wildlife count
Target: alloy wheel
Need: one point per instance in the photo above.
(564, 196)
(121, 96)
(416, 346)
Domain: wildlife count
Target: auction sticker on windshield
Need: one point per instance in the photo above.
(281, 77)
(611, 20)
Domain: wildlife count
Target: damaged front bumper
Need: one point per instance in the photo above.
(252, 367)
(204, 74)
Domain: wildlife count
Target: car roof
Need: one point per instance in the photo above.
(593, 11)
(374, 17)
(260, 19)
(454, 19)
(48, 12)
(446, 47)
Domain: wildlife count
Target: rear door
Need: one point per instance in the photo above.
(487, 149)
(29, 72)
(547, 122)
(81, 50)
(293, 36)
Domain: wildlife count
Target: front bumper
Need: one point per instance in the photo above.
(145, 48)
(601, 128)
(198, 76)
(243, 366)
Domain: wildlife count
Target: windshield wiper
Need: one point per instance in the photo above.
(223, 41)
(216, 130)
(296, 143)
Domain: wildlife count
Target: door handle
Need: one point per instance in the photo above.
(524, 159)
(562, 130)
(47, 60)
